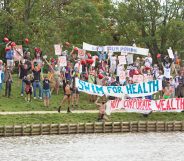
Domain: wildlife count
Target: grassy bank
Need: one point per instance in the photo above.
(18, 103)
(84, 118)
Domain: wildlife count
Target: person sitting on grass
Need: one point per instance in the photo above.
(67, 95)
(46, 91)
(102, 108)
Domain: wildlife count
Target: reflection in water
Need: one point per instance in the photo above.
(94, 147)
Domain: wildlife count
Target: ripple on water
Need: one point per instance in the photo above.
(94, 147)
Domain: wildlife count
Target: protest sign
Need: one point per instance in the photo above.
(81, 53)
(143, 105)
(62, 61)
(132, 90)
(57, 48)
(112, 48)
(170, 52)
(138, 78)
(122, 76)
(18, 52)
(122, 59)
(130, 59)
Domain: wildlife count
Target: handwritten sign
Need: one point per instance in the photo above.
(58, 49)
(18, 53)
(62, 61)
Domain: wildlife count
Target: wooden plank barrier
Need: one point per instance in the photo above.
(96, 127)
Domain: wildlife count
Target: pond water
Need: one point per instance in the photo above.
(94, 147)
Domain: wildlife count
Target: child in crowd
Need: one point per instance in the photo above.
(28, 80)
(46, 91)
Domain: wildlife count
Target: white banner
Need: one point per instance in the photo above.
(132, 90)
(111, 48)
(146, 105)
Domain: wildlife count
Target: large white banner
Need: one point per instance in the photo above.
(112, 48)
(132, 90)
(146, 105)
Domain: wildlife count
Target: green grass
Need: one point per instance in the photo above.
(85, 118)
(18, 103)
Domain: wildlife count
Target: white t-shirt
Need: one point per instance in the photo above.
(167, 72)
(0, 76)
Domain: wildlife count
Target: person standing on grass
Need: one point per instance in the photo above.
(102, 108)
(1, 78)
(23, 73)
(46, 91)
(8, 80)
(67, 95)
(75, 91)
(36, 83)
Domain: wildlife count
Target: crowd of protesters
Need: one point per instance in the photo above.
(105, 71)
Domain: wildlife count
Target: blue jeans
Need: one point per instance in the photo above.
(22, 87)
(1, 86)
(35, 86)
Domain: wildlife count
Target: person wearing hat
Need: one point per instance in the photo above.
(8, 80)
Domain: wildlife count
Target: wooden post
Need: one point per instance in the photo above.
(147, 128)
(104, 127)
(121, 126)
(77, 127)
(94, 127)
(13, 130)
(59, 129)
(182, 125)
(22, 127)
(50, 129)
(138, 126)
(41, 129)
(174, 124)
(130, 126)
(165, 126)
(112, 127)
(156, 126)
(85, 128)
(68, 128)
(31, 126)
(4, 130)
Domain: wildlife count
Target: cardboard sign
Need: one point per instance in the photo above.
(81, 53)
(58, 49)
(62, 61)
(122, 59)
(122, 76)
(138, 78)
(170, 52)
(18, 53)
(130, 59)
